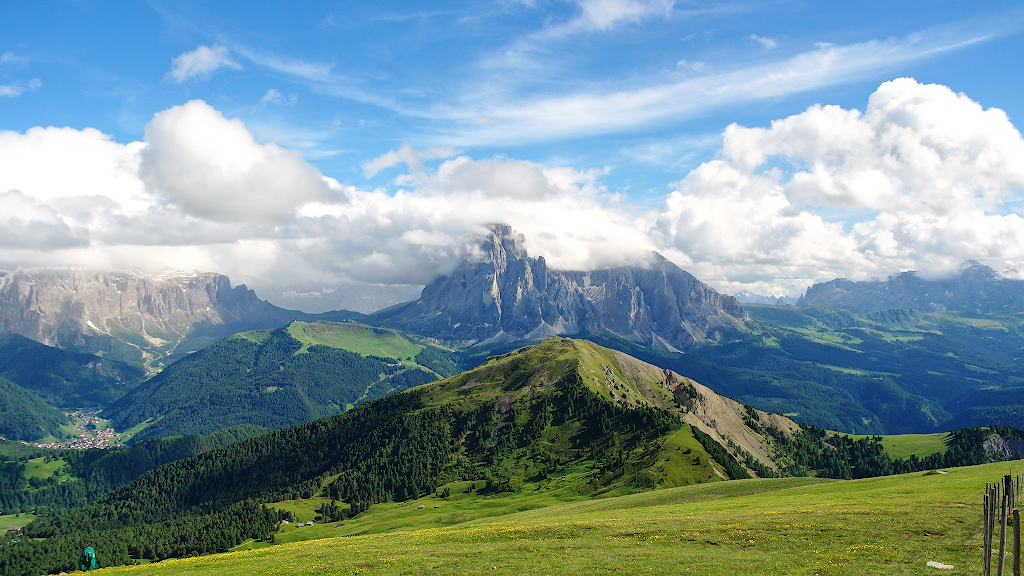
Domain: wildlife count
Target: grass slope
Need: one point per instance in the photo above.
(890, 525)
(906, 445)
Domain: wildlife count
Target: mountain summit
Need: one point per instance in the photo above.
(503, 295)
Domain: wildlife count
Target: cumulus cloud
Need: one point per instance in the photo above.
(201, 63)
(213, 168)
(925, 179)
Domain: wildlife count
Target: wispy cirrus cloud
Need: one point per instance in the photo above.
(582, 114)
(16, 89)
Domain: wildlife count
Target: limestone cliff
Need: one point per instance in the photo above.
(88, 310)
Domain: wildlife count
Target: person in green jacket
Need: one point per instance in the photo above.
(88, 559)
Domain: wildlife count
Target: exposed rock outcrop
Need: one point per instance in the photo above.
(504, 295)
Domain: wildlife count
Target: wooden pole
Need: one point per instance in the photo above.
(1002, 537)
(1016, 542)
(986, 538)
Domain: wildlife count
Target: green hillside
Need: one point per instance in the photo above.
(888, 372)
(24, 416)
(63, 379)
(47, 480)
(561, 421)
(885, 526)
(518, 423)
(277, 378)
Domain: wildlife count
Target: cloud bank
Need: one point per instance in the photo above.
(922, 179)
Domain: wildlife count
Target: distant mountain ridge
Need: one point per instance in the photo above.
(505, 295)
(132, 316)
(976, 289)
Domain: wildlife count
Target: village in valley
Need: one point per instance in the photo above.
(90, 430)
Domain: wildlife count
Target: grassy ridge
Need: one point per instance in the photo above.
(889, 525)
(357, 338)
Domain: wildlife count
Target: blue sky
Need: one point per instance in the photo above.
(631, 96)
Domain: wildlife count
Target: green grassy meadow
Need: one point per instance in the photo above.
(357, 338)
(906, 445)
(42, 467)
(888, 525)
(10, 520)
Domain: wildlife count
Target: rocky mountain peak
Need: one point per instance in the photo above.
(505, 295)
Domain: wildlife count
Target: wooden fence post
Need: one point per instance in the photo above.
(986, 538)
(1016, 542)
(1002, 536)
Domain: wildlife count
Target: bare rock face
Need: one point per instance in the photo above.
(65, 308)
(977, 289)
(504, 295)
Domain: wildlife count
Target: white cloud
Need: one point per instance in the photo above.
(605, 14)
(201, 63)
(275, 97)
(932, 170)
(765, 42)
(412, 158)
(17, 89)
(24, 223)
(213, 168)
(12, 58)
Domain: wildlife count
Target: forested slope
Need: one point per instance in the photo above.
(68, 380)
(276, 378)
(24, 416)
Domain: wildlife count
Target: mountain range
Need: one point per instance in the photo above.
(976, 288)
(893, 370)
